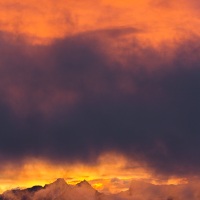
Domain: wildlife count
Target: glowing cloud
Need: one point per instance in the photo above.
(80, 79)
(111, 173)
(49, 20)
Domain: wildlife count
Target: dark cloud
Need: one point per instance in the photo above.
(71, 101)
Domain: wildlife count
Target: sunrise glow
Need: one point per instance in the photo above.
(105, 91)
(156, 21)
(112, 173)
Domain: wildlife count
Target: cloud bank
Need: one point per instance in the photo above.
(101, 91)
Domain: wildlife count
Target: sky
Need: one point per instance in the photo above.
(106, 91)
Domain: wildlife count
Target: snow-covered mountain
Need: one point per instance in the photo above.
(60, 190)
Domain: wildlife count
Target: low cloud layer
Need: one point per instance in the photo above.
(101, 91)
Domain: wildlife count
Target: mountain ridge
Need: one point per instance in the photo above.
(139, 190)
(58, 190)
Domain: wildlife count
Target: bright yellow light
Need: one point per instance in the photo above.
(112, 172)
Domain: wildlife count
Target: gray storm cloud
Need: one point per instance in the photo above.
(80, 97)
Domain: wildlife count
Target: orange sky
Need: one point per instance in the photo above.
(157, 20)
(112, 173)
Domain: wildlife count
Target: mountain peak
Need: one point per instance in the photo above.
(60, 182)
(83, 183)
